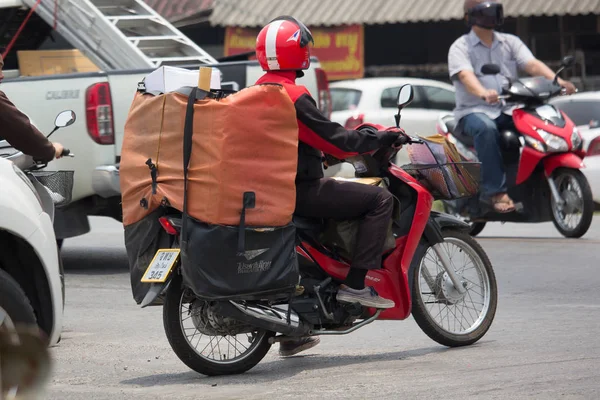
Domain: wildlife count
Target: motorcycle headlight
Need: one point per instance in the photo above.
(25, 179)
(553, 143)
(576, 140)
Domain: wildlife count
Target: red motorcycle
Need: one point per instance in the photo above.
(543, 156)
(434, 270)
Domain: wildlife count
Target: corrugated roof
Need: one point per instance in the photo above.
(253, 13)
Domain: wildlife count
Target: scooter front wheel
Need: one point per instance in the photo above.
(574, 217)
(447, 316)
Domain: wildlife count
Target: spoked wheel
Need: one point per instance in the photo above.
(574, 217)
(207, 342)
(443, 313)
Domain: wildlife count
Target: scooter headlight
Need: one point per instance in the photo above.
(576, 140)
(552, 142)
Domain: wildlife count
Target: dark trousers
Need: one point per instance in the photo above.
(486, 135)
(372, 205)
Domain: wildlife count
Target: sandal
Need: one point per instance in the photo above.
(501, 203)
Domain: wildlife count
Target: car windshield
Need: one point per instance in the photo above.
(581, 112)
(345, 99)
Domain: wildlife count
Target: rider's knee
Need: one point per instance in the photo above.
(481, 124)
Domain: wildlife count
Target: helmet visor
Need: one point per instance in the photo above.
(487, 15)
(305, 35)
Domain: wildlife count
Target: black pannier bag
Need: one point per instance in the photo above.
(142, 240)
(234, 262)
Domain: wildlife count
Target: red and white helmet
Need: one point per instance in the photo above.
(282, 45)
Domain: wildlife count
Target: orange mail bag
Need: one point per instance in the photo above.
(245, 142)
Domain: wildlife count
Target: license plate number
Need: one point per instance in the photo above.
(161, 266)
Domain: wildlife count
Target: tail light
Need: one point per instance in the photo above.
(324, 93)
(354, 121)
(168, 226)
(99, 113)
(593, 148)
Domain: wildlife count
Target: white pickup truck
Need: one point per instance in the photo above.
(102, 101)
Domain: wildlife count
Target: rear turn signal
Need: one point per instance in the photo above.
(99, 113)
(167, 226)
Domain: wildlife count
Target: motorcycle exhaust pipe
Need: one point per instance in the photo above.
(273, 318)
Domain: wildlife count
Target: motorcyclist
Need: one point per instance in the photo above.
(21, 134)
(282, 49)
(478, 109)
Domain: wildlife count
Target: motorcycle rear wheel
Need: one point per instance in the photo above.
(438, 308)
(179, 338)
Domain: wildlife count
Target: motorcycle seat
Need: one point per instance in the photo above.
(457, 131)
(308, 224)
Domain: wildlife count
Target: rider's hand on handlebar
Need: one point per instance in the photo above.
(401, 139)
(58, 150)
(568, 87)
(490, 96)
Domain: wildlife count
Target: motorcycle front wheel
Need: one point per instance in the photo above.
(208, 343)
(574, 217)
(444, 314)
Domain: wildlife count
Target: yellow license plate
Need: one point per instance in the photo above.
(161, 266)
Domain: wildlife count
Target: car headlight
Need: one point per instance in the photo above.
(25, 179)
(552, 142)
(576, 140)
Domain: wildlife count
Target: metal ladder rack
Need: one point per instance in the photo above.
(121, 34)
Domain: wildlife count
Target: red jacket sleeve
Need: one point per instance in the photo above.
(319, 132)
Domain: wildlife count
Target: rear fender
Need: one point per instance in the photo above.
(564, 160)
(154, 296)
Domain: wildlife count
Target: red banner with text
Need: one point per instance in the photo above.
(340, 49)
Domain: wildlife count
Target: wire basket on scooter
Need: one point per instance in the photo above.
(59, 185)
(438, 166)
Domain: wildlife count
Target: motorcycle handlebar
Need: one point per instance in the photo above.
(67, 153)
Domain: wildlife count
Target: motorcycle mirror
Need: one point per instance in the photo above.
(65, 119)
(490, 69)
(568, 61)
(405, 96)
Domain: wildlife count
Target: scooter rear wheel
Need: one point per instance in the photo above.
(574, 219)
(446, 316)
(196, 339)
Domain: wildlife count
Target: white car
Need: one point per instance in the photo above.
(584, 110)
(31, 276)
(374, 100)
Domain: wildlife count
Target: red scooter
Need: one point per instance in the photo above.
(543, 156)
(433, 269)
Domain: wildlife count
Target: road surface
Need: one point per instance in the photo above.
(544, 342)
